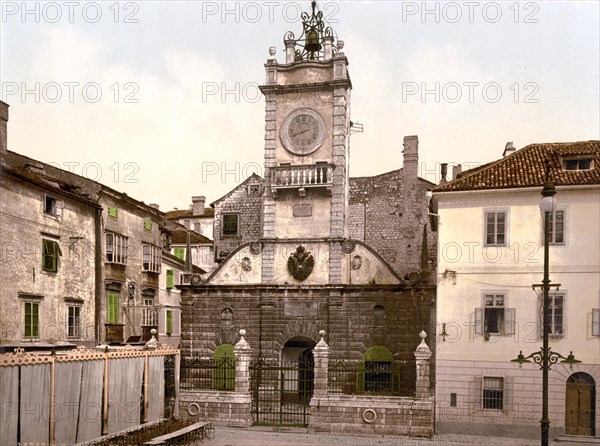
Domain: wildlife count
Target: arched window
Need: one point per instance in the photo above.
(379, 373)
(224, 368)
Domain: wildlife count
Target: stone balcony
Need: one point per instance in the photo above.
(302, 177)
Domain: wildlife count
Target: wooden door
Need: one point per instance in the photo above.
(580, 405)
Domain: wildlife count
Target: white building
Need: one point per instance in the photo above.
(490, 254)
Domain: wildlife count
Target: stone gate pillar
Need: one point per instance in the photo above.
(422, 356)
(321, 355)
(242, 352)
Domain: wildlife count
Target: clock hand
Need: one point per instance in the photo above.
(298, 133)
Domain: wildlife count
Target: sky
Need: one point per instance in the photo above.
(160, 99)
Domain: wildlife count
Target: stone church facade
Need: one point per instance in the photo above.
(298, 246)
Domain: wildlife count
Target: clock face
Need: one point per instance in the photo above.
(303, 131)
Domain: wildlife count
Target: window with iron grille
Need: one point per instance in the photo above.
(73, 322)
(116, 248)
(495, 228)
(493, 393)
(152, 258)
(557, 227)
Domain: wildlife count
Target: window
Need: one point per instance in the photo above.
(596, 322)
(50, 253)
(147, 225)
(230, 224)
(378, 371)
(179, 253)
(113, 212)
(149, 314)
(151, 258)
(495, 228)
(73, 322)
(557, 227)
(556, 307)
(52, 206)
(169, 322)
(492, 395)
(32, 320)
(170, 279)
(112, 308)
(578, 164)
(493, 317)
(116, 248)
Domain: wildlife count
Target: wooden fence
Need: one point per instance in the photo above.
(72, 397)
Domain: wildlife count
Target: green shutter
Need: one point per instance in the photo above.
(113, 212)
(179, 253)
(169, 322)
(148, 225)
(169, 279)
(50, 253)
(112, 314)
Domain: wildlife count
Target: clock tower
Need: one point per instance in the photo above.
(306, 150)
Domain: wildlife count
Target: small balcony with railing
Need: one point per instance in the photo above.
(302, 177)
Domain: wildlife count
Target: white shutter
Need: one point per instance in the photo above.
(58, 208)
(596, 322)
(507, 394)
(477, 391)
(509, 321)
(478, 320)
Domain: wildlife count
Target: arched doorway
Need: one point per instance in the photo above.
(580, 405)
(298, 376)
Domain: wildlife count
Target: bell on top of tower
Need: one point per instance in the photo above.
(316, 41)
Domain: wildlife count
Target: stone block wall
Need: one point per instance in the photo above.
(374, 415)
(389, 213)
(221, 408)
(246, 201)
(273, 315)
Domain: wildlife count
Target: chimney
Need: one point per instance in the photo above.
(198, 205)
(3, 129)
(411, 158)
(186, 223)
(508, 149)
(155, 206)
(456, 170)
(444, 172)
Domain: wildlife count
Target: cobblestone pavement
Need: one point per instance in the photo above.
(300, 437)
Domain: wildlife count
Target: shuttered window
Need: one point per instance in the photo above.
(169, 322)
(50, 253)
(170, 279)
(32, 321)
(112, 310)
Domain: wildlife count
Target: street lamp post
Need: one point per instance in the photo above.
(546, 357)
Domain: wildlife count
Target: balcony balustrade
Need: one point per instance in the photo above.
(302, 177)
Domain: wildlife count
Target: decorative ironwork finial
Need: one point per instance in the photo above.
(313, 35)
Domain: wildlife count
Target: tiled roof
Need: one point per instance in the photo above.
(187, 213)
(527, 168)
(180, 237)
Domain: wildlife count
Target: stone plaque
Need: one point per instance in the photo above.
(302, 210)
(300, 309)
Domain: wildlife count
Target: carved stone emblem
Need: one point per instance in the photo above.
(255, 248)
(348, 246)
(356, 262)
(301, 263)
(246, 264)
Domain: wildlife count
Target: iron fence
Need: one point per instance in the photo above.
(208, 374)
(364, 377)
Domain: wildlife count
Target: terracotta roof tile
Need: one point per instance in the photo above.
(187, 213)
(526, 168)
(180, 237)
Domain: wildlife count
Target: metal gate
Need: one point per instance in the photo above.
(281, 392)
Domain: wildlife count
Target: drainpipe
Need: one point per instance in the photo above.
(98, 264)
